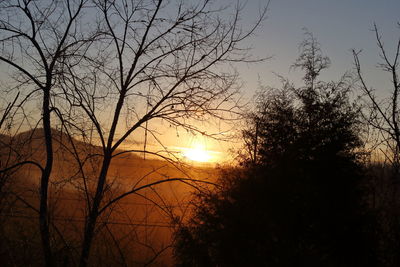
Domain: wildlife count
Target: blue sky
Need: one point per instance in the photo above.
(338, 25)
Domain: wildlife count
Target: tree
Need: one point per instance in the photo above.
(25, 25)
(91, 64)
(301, 203)
(381, 115)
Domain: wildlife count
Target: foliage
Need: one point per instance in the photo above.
(299, 202)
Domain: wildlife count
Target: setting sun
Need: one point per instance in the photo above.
(197, 154)
(197, 151)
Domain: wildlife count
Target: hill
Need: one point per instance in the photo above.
(142, 220)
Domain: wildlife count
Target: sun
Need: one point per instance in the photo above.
(197, 153)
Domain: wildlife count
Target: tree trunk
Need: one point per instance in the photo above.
(44, 182)
(94, 212)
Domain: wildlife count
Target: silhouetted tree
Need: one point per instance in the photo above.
(102, 70)
(300, 204)
(381, 114)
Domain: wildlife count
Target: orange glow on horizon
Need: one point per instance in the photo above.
(197, 154)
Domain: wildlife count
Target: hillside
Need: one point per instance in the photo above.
(142, 219)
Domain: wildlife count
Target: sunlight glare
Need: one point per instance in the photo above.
(197, 153)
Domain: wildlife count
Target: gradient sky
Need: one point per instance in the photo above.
(338, 25)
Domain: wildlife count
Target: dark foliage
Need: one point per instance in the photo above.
(297, 200)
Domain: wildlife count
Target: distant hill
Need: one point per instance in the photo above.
(142, 220)
(30, 145)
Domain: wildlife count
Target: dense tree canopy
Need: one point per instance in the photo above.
(296, 200)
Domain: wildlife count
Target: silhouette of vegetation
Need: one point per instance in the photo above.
(380, 115)
(101, 72)
(297, 199)
(84, 79)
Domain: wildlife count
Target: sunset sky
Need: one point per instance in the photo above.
(339, 26)
(178, 133)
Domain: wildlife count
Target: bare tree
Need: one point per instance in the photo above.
(103, 82)
(36, 36)
(383, 115)
(162, 66)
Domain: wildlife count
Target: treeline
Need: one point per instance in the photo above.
(308, 191)
(85, 80)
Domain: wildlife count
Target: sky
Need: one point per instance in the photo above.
(339, 26)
